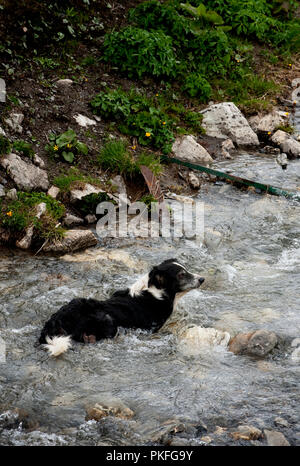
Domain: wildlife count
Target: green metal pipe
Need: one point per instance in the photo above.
(236, 179)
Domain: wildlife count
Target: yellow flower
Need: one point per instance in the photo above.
(148, 135)
(269, 132)
(290, 64)
(164, 122)
(133, 147)
(156, 95)
(287, 113)
(69, 146)
(9, 213)
(55, 147)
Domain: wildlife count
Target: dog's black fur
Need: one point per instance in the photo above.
(147, 310)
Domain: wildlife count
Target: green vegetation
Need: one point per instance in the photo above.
(5, 145)
(288, 129)
(88, 204)
(18, 215)
(66, 146)
(138, 52)
(148, 199)
(211, 41)
(136, 116)
(24, 147)
(65, 182)
(197, 86)
(114, 156)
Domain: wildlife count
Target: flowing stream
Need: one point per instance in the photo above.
(251, 261)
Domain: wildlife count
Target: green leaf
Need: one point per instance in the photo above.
(66, 138)
(68, 156)
(82, 148)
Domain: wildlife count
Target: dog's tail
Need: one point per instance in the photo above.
(57, 345)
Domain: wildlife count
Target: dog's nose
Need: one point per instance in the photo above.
(201, 280)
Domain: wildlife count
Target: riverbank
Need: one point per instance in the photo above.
(69, 83)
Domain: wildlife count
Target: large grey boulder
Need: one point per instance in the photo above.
(26, 176)
(269, 122)
(72, 241)
(225, 120)
(287, 143)
(258, 343)
(188, 149)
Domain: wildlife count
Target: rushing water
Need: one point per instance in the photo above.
(252, 268)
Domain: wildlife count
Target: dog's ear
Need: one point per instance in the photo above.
(156, 278)
(169, 261)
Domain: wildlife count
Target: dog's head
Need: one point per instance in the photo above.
(173, 277)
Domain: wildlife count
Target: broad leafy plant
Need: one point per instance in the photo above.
(66, 146)
(139, 52)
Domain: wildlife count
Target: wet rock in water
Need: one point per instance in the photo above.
(206, 439)
(164, 433)
(72, 220)
(212, 238)
(14, 122)
(287, 143)
(53, 191)
(194, 340)
(263, 207)
(246, 432)
(225, 120)
(281, 159)
(104, 409)
(275, 438)
(295, 342)
(9, 419)
(72, 241)
(84, 190)
(84, 121)
(90, 218)
(27, 176)
(188, 149)
(226, 147)
(279, 421)
(194, 180)
(271, 150)
(269, 122)
(118, 256)
(295, 356)
(258, 343)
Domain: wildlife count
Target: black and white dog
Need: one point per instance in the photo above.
(146, 305)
